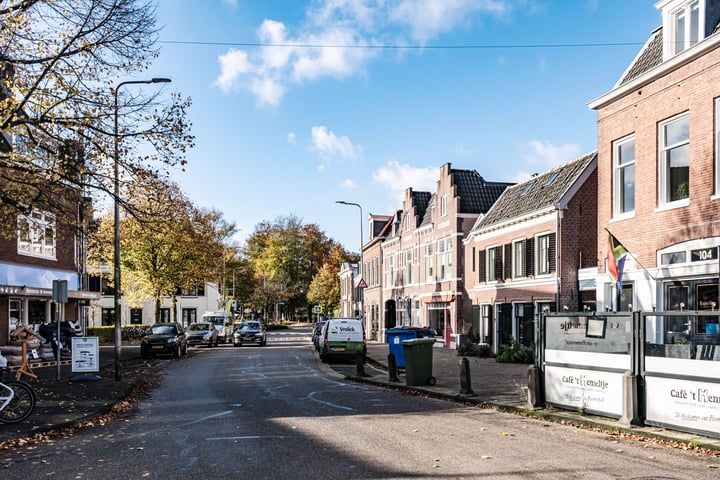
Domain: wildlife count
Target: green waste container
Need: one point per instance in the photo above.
(418, 361)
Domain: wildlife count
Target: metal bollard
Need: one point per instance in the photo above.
(465, 383)
(392, 368)
(360, 365)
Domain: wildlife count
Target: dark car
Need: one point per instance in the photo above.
(202, 333)
(250, 331)
(164, 339)
(317, 330)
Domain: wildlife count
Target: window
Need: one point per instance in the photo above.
(408, 267)
(443, 205)
(685, 27)
(518, 259)
(624, 176)
(527, 188)
(390, 270)
(494, 264)
(16, 314)
(407, 222)
(444, 251)
(544, 255)
(552, 178)
(429, 262)
(107, 318)
(136, 316)
(36, 234)
(674, 161)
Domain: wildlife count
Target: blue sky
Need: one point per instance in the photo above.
(284, 126)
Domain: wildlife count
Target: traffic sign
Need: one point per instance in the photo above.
(317, 309)
(362, 284)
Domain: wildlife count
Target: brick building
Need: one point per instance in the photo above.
(523, 257)
(658, 167)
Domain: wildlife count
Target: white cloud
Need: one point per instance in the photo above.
(429, 18)
(396, 178)
(349, 184)
(326, 43)
(545, 155)
(233, 64)
(292, 138)
(329, 146)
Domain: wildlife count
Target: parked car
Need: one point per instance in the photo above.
(250, 331)
(164, 339)
(317, 330)
(202, 333)
(342, 338)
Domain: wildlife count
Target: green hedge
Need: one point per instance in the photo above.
(107, 334)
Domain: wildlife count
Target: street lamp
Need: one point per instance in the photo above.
(116, 236)
(360, 268)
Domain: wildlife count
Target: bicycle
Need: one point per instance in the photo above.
(17, 400)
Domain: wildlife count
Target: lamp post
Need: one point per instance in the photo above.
(360, 268)
(116, 236)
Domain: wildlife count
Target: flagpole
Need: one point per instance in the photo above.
(635, 259)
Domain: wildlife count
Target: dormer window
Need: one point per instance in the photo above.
(683, 22)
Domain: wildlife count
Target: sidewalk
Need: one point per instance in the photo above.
(501, 386)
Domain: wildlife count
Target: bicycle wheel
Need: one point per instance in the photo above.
(22, 404)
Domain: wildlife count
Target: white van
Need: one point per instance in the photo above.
(342, 337)
(223, 323)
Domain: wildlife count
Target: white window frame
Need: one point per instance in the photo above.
(692, 12)
(408, 267)
(493, 256)
(37, 235)
(390, 270)
(543, 254)
(442, 267)
(429, 262)
(623, 168)
(443, 205)
(664, 150)
(518, 259)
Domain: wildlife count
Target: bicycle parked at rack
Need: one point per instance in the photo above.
(17, 400)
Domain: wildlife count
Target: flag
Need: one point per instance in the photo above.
(616, 259)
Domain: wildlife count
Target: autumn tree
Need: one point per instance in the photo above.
(324, 289)
(168, 244)
(60, 64)
(285, 256)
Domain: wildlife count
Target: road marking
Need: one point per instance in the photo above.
(163, 429)
(329, 404)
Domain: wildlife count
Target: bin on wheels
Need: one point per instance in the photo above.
(395, 337)
(418, 361)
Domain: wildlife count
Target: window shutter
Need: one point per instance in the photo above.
(530, 257)
(552, 261)
(508, 260)
(482, 277)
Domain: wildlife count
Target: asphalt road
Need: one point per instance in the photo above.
(276, 412)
